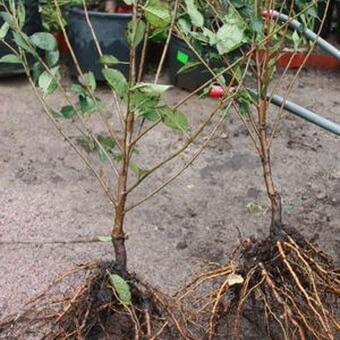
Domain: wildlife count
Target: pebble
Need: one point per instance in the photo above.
(321, 195)
(181, 245)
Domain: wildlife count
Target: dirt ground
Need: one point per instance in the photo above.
(49, 201)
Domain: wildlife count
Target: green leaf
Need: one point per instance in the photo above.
(107, 59)
(11, 59)
(312, 11)
(106, 145)
(104, 238)
(142, 103)
(116, 80)
(189, 66)
(52, 57)
(68, 112)
(106, 141)
(102, 154)
(21, 14)
(229, 37)
(44, 40)
(210, 35)
(136, 31)
(21, 40)
(37, 70)
(137, 170)
(87, 104)
(244, 108)
(157, 13)
(4, 30)
(184, 25)
(200, 37)
(244, 102)
(48, 81)
(88, 81)
(256, 25)
(150, 88)
(122, 288)
(173, 119)
(77, 88)
(151, 115)
(8, 18)
(196, 17)
(296, 40)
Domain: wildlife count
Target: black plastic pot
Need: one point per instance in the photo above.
(327, 26)
(110, 29)
(180, 55)
(32, 25)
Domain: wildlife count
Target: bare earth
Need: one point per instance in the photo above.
(48, 199)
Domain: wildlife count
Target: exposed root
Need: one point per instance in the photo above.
(290, 290)
(92, 310)
(285, 289)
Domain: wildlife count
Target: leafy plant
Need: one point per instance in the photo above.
(285, 275)
(50, 19)
(139, 107)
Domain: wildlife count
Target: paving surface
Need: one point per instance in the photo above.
(48, 199)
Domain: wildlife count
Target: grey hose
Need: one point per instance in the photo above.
(309, 34)
(306, 114)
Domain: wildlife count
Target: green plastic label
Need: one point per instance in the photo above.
(182, 57)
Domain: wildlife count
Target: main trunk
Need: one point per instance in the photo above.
(118, 241)
(118, 236)
(274, 196)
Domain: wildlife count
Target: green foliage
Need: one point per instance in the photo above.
(157, 13)
(136, 31)
(88, 81)
(68, 112)
(196, 16)
(10, 59)
(231, 35)
(137, 170)
(150, 89)
(173, 118)
(87, 104)
(4, 30)
(106, 147)
(108, 60)
(52, 57)
(146, 100)
(116, 80)
(104, 238)
(44, 41)
(49, 79)
(22, 40)
(8, 19)
(216, 30)
(122, 288)
(50, 16)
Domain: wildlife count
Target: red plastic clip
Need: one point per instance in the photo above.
(271, 14)
(216, 91)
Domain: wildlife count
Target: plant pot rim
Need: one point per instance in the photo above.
(80, 11)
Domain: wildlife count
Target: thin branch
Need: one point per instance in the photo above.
(290, 87)
(167, 42)
(68, 139)
(179, 151)
(195, 156)
(144, 51)
(99, 50)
